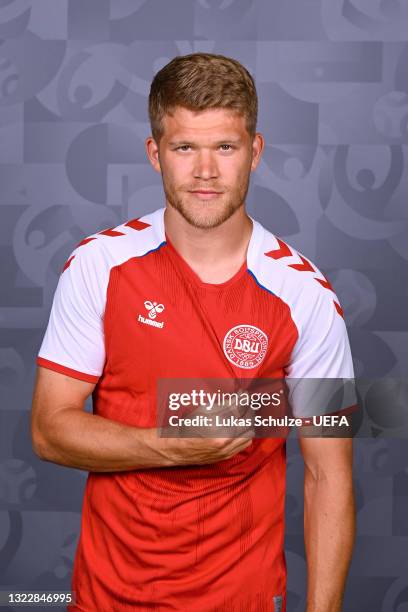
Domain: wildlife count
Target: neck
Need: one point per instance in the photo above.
(214, 254)
(209, 245)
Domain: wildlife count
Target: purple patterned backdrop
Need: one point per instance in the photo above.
(332, 80)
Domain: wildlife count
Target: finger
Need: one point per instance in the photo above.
(240, 443)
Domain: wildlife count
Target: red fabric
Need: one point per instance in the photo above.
(206, 537)
(51, 365)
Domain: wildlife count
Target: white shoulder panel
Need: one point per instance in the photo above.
(322, 349)
(74, 339)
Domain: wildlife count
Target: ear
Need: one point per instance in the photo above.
(257, 148)
(152, 150)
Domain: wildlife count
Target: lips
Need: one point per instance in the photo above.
(204, 191)
(205, 194)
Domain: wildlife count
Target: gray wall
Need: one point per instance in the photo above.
(332, 78)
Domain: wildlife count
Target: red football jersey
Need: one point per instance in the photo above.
(127, 311)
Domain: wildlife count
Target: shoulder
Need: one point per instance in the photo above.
(115, 245)
(289, 274)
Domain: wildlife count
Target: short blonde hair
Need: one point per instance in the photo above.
(200, 81)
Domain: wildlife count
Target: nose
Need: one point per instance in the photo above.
(205, 166)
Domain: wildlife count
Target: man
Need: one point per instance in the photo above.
(174, 523)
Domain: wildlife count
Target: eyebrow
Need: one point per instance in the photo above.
(219, 142)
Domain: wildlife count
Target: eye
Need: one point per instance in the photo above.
(186, 147)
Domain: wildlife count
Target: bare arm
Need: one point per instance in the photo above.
(63, 432)
(329, 519)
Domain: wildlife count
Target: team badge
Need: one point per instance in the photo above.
(245, 346)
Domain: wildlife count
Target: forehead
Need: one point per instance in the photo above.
(214, 122)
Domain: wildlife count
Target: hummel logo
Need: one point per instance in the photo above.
(154, 309)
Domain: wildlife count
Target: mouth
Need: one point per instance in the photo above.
(204, 194)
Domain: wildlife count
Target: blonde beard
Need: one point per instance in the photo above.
(209, 222)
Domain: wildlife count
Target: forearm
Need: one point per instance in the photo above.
(90, 442)
(329, 525)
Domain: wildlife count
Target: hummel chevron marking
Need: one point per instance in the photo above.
(325, 283)
(85, 241)
(339, 309)
(137, 225)
(283, 251)
(68, 263)
(111, 232)
(305, 266)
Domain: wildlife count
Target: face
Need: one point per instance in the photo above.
(207, 151)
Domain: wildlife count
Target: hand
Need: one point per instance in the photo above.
(198, 451)
(214, 441)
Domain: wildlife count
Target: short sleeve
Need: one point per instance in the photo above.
(320, 374)
(73, 343)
